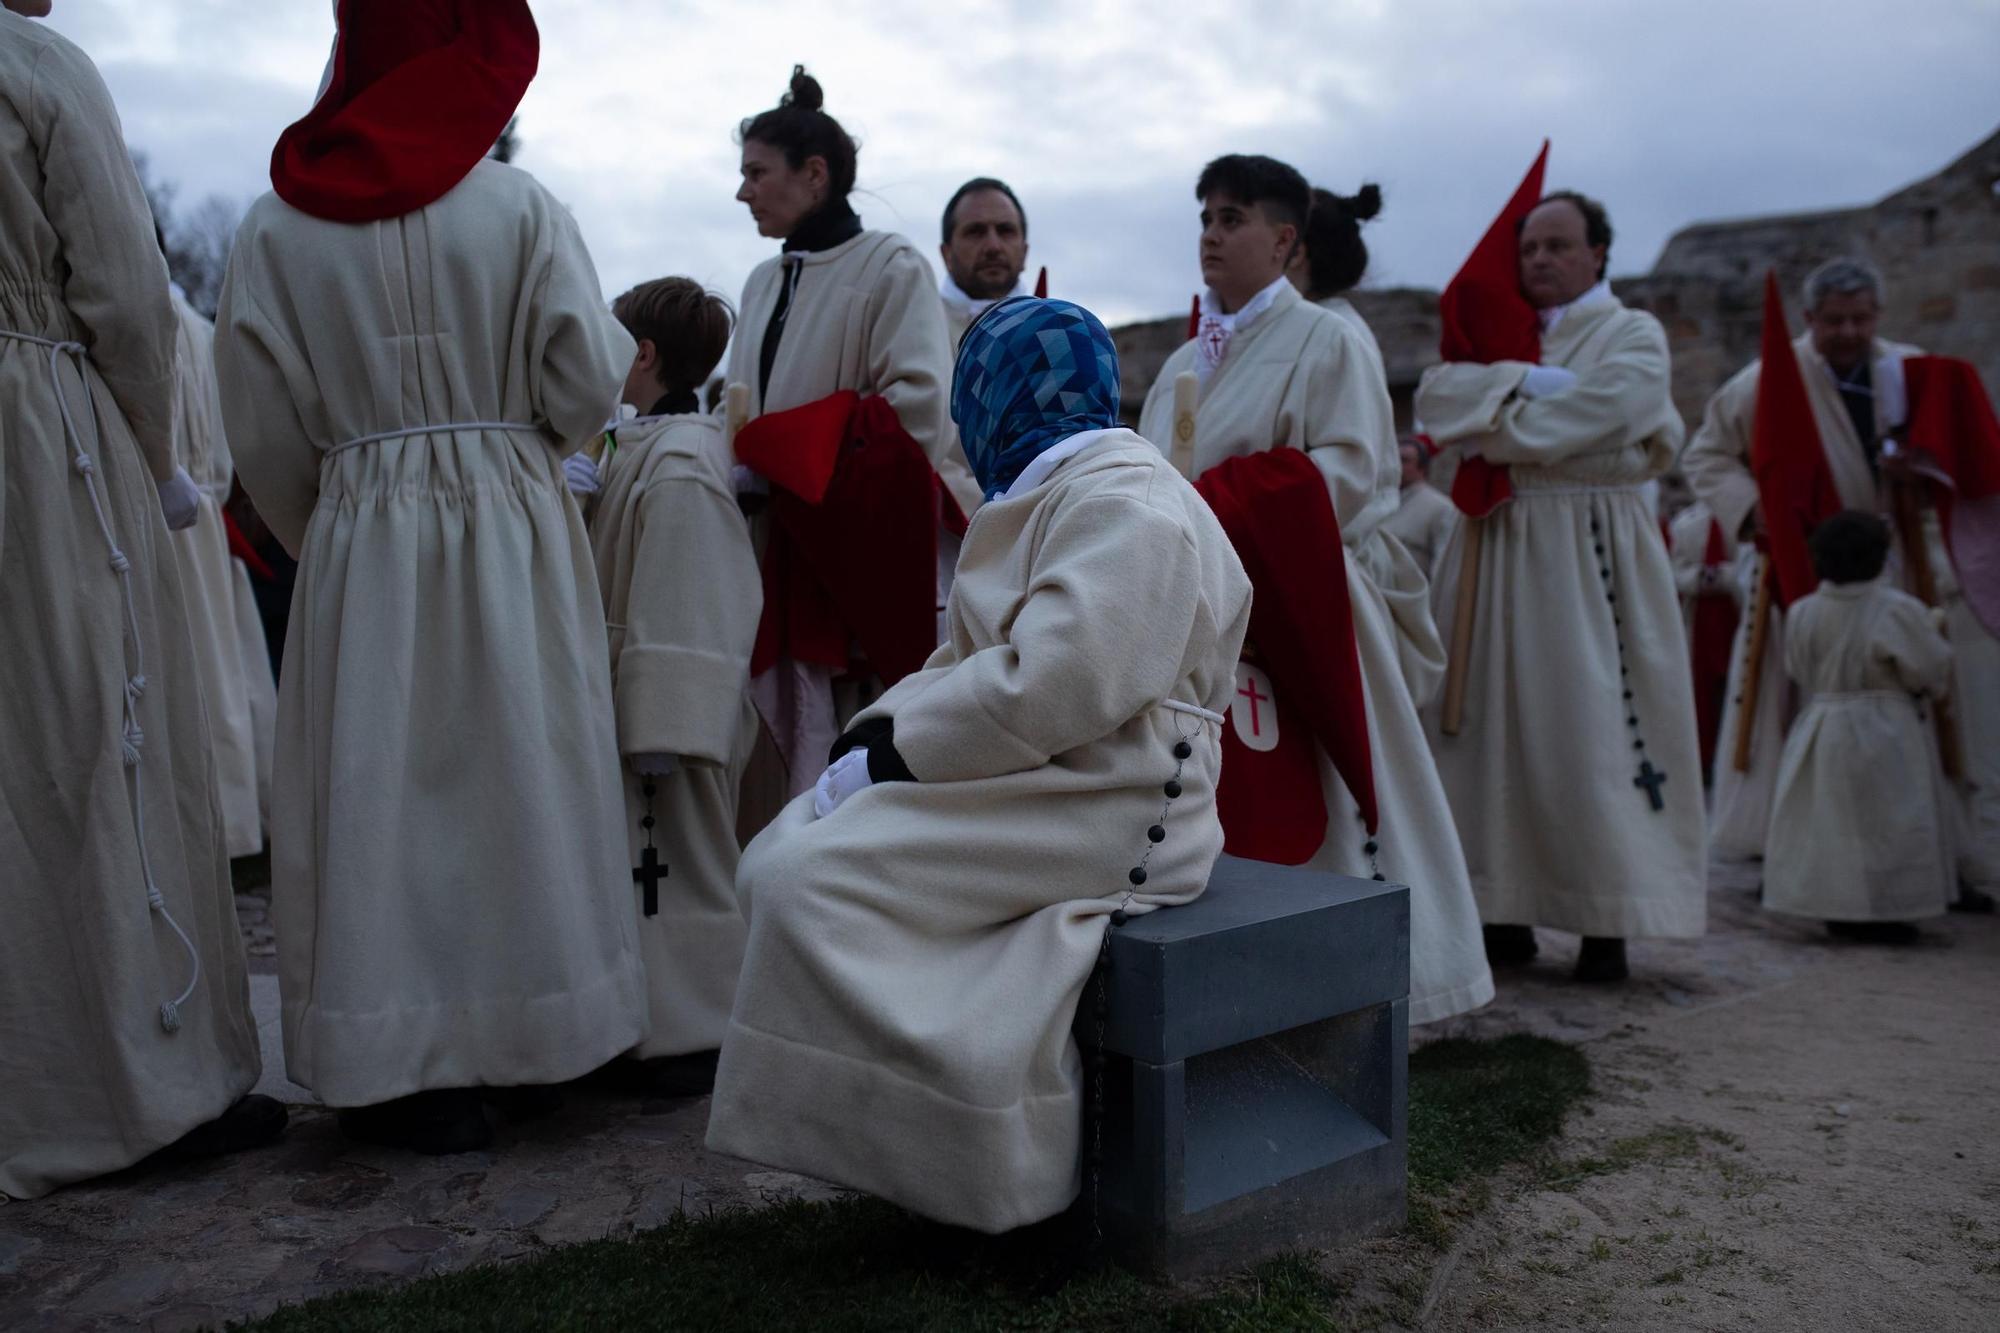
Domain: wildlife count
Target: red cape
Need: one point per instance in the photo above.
(1957, 442)
(420, 90)
(1713, 636)
(852, 559)
(1487, 319)
(1794, 485)
(1275, 508)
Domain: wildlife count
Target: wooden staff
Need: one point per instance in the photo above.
(1753, 663)
(1472, 530)
(1186, 387)
(1923, 583)
(735, 411)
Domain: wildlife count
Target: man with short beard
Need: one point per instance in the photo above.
(985, 250)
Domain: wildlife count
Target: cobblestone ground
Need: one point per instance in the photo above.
(174, 1247)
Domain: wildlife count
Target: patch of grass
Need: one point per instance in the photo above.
(1664, 1144)
(860, 1264)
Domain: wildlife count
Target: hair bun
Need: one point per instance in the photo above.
(1365, 204)
(806, 94)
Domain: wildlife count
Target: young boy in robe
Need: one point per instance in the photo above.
(1858, 835)
(681, 600)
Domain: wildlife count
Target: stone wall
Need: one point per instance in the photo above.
(1937, 243)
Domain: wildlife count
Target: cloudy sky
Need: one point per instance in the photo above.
(1101, 112)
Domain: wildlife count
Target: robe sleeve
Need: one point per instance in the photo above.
(117, 283)
(907, 351)
(579, 353)
(1099, 638)
(690, 623)
(1349, 424)
(1717, 460)
(1613, 405)
(256, 368)
(1460, 399)
(1910, 645)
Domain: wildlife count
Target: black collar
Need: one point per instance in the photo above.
(833, 224)
(675, 402)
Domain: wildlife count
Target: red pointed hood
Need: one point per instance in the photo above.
(1794, 485)
(420, 90)
(1486, 318)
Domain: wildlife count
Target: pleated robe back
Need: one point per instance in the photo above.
(1543, 774)
(915, 959)
(449, 885)
(91, 1080)
(1302, 376)
(1859, 823)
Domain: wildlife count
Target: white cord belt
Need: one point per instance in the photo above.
(1192, 710)
(448, 428)
(131, 738)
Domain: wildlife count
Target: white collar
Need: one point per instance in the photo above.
(1215, 330)
(956, 298)
(1042, 464)
(1211, 304)
(1596, 296)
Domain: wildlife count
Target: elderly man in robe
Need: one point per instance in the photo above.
(1576, 773)
(409, 333)
(1854, 381)
(923, 922)
(1275, 371)
(125, 1022)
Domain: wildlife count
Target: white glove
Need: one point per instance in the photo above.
(653, 765)
(749, 481)
(180, 499)
(580, 473)
(1547, 381)
(842, 779)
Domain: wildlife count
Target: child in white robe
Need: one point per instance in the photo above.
(1858, 835)
(682, 596)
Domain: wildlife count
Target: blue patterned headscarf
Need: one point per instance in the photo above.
(1031, 373)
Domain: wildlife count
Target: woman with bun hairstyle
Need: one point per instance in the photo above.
(1276, 371)
(839, 309)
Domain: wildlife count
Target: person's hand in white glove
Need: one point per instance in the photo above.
(843, 778)
(654, 765)
(749, 481)
(180, 499)
(1547, 381)
(580, 473)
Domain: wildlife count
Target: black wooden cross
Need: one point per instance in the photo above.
(1652, 779)
(648, 873)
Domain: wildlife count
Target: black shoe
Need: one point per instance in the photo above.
(691, 1075)
(1510, 945)
(1874, 932)
(254, 1121)
(530, 1101)
(1601, 961)
(1973, 902)
(442, 1121)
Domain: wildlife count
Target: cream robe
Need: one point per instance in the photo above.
(450, 891)
(1542, 774)
(915, 960)
(1859, 826)
(1423, 523)
(90, 1081)
(209, 577)
(681, 602)
(865, 316)
(1303, 377)
(1718, 466)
